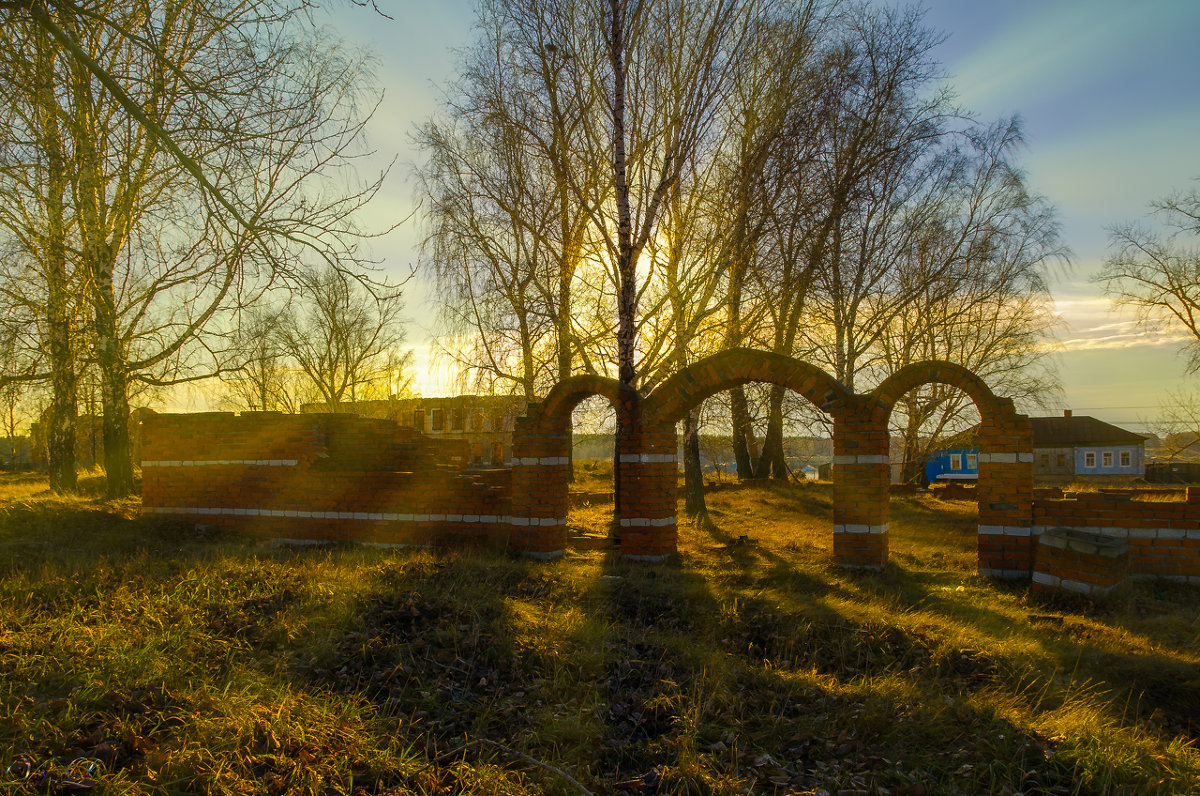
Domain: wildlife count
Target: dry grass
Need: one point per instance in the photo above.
(188, 663)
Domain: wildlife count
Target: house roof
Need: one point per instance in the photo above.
(1079, 430)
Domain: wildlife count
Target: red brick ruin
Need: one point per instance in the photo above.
(338, 477)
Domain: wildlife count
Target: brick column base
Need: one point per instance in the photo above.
(539, 492)
(861, 472)
(649, 493)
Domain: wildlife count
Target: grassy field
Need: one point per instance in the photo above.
(178, 661)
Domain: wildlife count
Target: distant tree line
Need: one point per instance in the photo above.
(625, 186)
(166, 166)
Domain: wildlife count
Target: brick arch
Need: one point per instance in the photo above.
(917, 374)
(672, 399)
(541, 455)
(1005, 486)
(554, 413)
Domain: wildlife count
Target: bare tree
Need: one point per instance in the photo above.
(1156, 269)
(346, 337)
(40, 294)
(506, 233)
(261, 376)
(199, 133)
(990, 311)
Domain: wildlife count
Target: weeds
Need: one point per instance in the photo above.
(183, 662)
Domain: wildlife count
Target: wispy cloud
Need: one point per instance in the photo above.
(1121, 341)
(1061, 46)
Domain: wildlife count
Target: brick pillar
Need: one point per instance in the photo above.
(861, 474)
(649, 483)
(1005, 491)
(539, 489)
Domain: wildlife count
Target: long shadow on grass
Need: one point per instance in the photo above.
(1083, 638)
(719, 687)
(1164, 689)
(787, 621)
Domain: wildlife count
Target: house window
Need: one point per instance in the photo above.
(1108, 458)
(498, 421)
(1045, 461)
(1126, 459)
(497, 453)
(477, 420)
(419, 419)
(477, 453)
(972, 461)
(456, 419)
(1062, 460)
(439, 420)
(1089, 459)
(956, 461)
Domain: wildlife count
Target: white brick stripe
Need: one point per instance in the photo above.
(1195, 579)
(649, 458)
(539, 461)
(1005, 458)
(1004, 530)
(861, 458)
(1191, 534)
(1006, 574)
(1069, 584)
(361, 516)
(1045, 579)
(535, 522)
(647, 522)
(861, 528)
(218, 462)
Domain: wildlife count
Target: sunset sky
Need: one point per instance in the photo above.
(1107, 90)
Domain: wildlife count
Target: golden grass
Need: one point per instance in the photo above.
(184, 662)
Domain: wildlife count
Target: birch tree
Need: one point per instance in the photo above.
(204, 140)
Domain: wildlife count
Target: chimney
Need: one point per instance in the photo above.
(1066, 413)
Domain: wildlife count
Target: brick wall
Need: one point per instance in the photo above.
(320, 477)
(339, 476)
(1163, 536)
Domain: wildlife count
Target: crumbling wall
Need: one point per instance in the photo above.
(321, 477)
(344, 477)
(1163, 536)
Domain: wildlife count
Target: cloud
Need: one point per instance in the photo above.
(1063, 45)
(1121, 341)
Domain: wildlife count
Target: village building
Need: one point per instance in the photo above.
(485, 422)
(1065, 449)
(1080, 448)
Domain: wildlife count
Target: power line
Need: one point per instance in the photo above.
(1109, 408)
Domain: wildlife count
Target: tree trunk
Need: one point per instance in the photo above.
(114, 382)
(913, 468)
(564, 355)
(739, 413)
(693, 476)
(626, 274)
(771, 461)
(60, 436)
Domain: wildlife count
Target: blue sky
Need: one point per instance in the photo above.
(1111, 104)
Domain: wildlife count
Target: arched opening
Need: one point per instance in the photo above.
(672, 400)
(592, 508)
(934, 468)
(541, 458)
(1004, 487)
